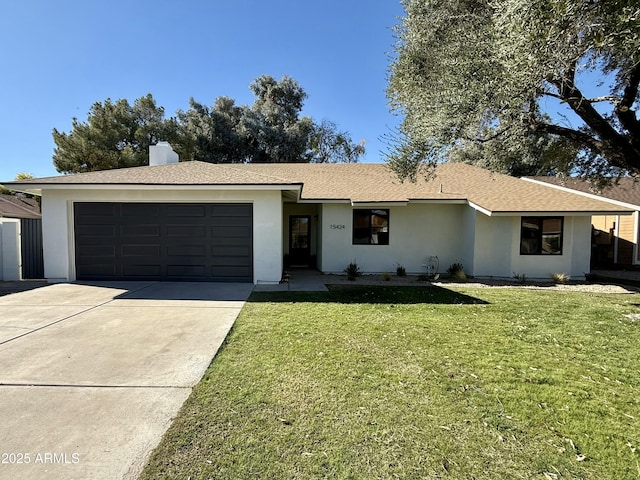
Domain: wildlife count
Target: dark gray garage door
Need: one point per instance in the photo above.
(164, 241)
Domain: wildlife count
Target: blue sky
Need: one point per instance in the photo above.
(60, 57)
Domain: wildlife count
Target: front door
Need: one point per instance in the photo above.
(299, 240)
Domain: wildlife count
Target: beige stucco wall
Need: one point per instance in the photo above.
(58, 234)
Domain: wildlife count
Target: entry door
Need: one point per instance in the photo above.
(299, 240)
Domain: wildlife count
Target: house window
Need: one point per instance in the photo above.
(541, 235)
(371, 227)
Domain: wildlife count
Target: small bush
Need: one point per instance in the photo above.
(400, 271)
(454, 268)
(460, 276)
(560, 278)
(386, 276)
(352, 271)
(520, 277)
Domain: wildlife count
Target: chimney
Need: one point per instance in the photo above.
(162, 154)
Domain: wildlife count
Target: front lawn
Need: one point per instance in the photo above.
(417, 382)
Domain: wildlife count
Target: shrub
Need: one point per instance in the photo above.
(386, 276)
(560, 278)
(454, 268)
(520, 277)
(352, 271)
(460, 276)
(400, 271)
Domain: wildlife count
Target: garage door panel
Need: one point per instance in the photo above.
(142, 271)
(102, 269)
(151, 251)
(230, 271)
(94, 210)
(212, 242)
(230, 232)
(187, 250)
(186, 210)
(138, 210)
(197, 231)
(98, 231)
(93, 251)
(138, 230)
(231, 210)
(232, 250)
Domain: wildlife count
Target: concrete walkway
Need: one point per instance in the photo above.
(91, 375)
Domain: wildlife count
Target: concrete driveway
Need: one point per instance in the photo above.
(91, 375)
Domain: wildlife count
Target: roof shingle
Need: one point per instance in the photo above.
(363, 182)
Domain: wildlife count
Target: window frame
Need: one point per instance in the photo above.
(370, 213)
(539, 237)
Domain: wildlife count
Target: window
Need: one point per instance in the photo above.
(541, 235)
(371, 227)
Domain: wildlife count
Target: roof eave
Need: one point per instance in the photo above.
(558, 213)
(37, 188)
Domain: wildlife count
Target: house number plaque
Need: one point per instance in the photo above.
(333, 226)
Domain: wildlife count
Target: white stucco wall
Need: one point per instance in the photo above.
(10, 251)
(486, 246)
(58, 234)
(492, 245)
(416, 232)
(497, 249)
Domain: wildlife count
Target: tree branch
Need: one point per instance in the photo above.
(576, 136)
(616, 147)
(605, 98)
(623, 110)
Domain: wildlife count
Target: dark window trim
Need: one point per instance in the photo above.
(370, 212)
(539, 238)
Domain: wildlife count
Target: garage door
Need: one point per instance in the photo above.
(168, 241)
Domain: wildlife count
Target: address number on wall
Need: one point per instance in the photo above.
(333, 226)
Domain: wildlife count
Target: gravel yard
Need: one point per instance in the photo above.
(411, 280)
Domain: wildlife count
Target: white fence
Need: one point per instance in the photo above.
(10, 254)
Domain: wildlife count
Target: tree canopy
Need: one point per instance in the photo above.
(518, 85)
(115, 135)
(272, 130)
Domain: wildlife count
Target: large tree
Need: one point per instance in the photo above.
(115, 135)
(272, 130)
(498, 81)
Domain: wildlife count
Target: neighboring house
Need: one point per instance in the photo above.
(237, 222)
(18, 206)
(614, 240)
(20, 238)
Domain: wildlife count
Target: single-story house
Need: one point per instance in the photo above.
(20, 238)
(243, 222)
(614, 239)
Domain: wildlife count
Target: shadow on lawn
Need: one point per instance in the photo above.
(372, 294)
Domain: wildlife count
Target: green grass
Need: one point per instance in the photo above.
(412, 383)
